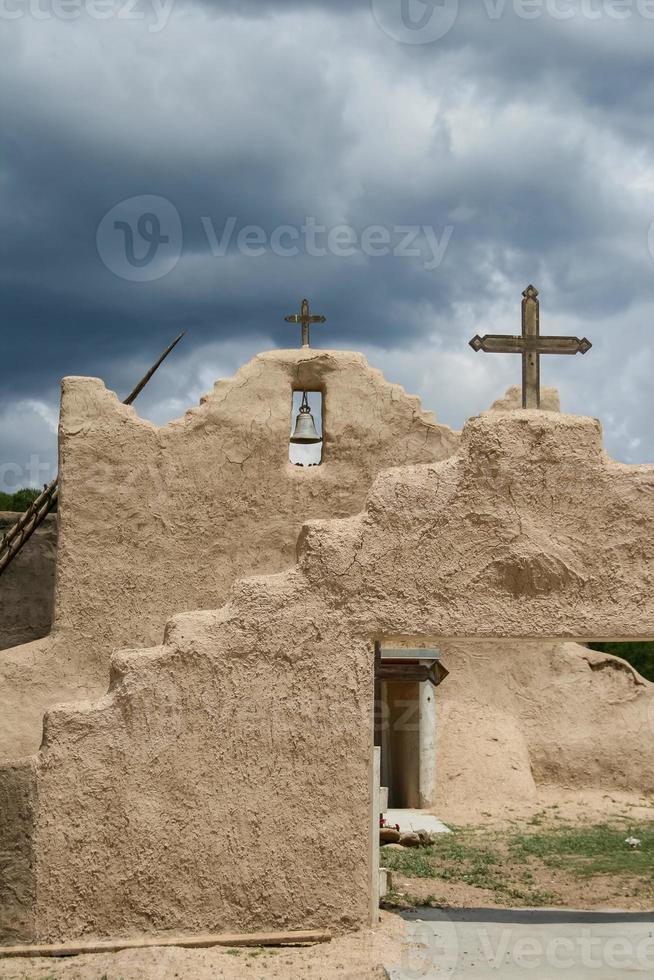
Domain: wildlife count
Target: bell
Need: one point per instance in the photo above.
(305, 432)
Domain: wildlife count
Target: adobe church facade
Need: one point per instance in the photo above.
(158, 520)
(258, 716)
(232, 601)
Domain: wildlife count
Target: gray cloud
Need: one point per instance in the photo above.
(530, 139)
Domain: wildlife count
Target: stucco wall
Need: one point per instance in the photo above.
(517, 718)
(27, 589)
(155, 521)
(17, 872)
(260, 822)
(258, 717)
(27, 585)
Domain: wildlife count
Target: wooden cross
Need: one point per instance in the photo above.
(530, 345)
(305, 318)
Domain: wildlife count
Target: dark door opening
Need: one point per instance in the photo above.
(405, 723)
(400, 743)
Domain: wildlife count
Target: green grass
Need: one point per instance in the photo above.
(517, 867)
(588, 851)
(457, 857)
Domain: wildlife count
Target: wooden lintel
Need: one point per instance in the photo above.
(386, 670)
(404, 672)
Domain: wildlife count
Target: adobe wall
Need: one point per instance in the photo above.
(27, 585)
(155, 521)
(252, 725)
(515, 719)
(17, 873)
(27, 591)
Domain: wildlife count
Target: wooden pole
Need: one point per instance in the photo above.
(309, 937)
(144, 380)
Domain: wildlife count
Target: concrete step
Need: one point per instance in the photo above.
(416, 820)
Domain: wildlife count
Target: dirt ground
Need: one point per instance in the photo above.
(354, 957)
(570, 805)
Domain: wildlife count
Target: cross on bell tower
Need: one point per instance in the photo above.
(306, 319)
(530, 345)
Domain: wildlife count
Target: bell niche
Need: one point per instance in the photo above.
(305, 445)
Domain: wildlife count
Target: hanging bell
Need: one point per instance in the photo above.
(305, 432)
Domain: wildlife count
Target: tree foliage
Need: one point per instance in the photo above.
(639, 655)
(20, 500)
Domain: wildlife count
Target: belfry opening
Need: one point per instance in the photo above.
(306, 440)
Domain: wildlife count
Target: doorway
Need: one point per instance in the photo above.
(400, 743)
(406, 679)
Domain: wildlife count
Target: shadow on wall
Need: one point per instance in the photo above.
(27, 585)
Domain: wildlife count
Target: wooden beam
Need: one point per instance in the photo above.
(410, 653)
(501, 344)
(388, 671)
(309, 937)
(404, 672)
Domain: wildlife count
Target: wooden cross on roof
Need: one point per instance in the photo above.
(306, 319)
(530, 345)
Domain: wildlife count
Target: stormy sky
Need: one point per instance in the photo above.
(410, 166)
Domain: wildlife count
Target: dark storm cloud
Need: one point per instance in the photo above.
(529, 140)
